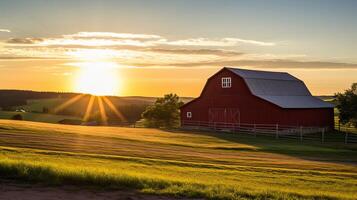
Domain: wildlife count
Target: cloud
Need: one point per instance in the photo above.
(24, 40)
(5, 30)
(27, 58)
(224, 42)
(217, 52)
(145, 50)
(259, 43)
(111, 39)
(160, 40)
(112, 35)
(292, 64)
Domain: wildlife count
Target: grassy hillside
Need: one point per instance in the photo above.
(130, 107)
(37, 105)
(210, 165)
(36, 117)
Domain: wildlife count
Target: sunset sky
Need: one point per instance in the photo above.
(153, 47)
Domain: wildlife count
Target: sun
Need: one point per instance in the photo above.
(98, 78)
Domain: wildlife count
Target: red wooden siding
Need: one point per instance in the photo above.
(238, 105)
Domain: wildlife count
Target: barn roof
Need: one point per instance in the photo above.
(280, 88)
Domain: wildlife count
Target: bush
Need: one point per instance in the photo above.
(164, 113)
(17, 117)
(347, 105)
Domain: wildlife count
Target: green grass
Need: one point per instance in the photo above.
(38, 104)
(191, 164)
(36, 117)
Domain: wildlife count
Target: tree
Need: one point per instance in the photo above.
(164, 113)
(347, 106)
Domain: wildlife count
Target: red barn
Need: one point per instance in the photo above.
(240, 96)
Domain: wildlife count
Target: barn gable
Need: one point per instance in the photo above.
(279, 88)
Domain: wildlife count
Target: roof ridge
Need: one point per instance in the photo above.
(274, 79)
(234, 68)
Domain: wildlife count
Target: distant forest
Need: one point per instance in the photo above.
(130, 107)
(46, 102)
(11, 98)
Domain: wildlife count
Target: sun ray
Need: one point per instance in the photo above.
(89, 108)
(114, 109)
(68, 103)
(102, 111)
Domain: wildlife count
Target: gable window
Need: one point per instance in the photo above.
(226, 82)
(189, 114)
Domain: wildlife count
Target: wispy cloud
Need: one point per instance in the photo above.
(5, 30)
(23, 40)
(224, 42)
(112, 35)
(278, 64)
(255, 42)
(146, 50)
(27, 58)
(219, 52)
(128, 39)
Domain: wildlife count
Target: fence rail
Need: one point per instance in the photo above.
(349, 132)
(278, 131)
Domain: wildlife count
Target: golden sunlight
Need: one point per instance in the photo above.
(98, 78)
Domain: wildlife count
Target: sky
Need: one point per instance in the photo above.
(153, 47)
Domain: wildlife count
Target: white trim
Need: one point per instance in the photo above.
(189, 114)
(226, 82)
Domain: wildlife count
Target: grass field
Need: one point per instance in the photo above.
(38, 104)
(208, 165)
(36, 117)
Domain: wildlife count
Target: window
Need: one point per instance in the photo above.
(189, 114)
(226, 82)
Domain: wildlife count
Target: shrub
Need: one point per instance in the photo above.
(347, 105)
(17, 117)
(164, 113)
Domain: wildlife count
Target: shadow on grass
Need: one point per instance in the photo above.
(332, 150)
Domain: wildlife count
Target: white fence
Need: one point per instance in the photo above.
(349, 132)
(275, 130)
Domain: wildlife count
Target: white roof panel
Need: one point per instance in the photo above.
(296, 101)
(277, 87)
(280, 88)
(245, 73)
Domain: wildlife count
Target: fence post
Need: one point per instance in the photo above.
(346, 137)
(300, 133)
(323, 135)
(255, 131)
(277, 131)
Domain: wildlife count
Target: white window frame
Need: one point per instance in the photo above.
(189, 115)
(226, 82)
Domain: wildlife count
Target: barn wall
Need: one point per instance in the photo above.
(247, 108)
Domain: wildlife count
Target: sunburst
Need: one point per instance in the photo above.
(98, 77)
(103, 102)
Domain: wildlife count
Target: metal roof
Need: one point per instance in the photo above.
(280, 88)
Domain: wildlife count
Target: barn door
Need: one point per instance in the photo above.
(224, 115)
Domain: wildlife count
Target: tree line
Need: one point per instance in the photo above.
(164, 112)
